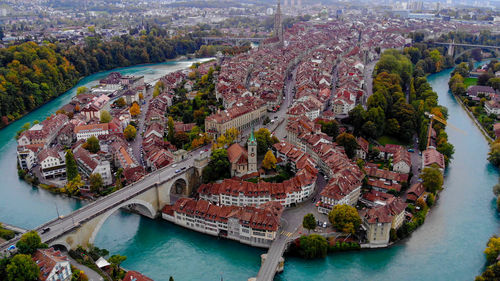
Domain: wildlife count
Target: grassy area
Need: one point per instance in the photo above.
(383, 140)
(470, 81)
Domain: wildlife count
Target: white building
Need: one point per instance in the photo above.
(54, 266)
(95, 130)
(90, 164)
(232, 192)
(52, 163)
(256, 226)
(26, 155)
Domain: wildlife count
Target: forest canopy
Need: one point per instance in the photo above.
(32, 74)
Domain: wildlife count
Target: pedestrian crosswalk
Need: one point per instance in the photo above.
(286, 233)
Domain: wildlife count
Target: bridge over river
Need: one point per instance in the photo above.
(146, 197)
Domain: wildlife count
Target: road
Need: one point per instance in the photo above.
(368, 81)
(91, 274)
(278, 116)
(62, 225)
(136, 145)
(291, 220)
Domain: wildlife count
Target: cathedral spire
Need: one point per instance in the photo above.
(278, 23)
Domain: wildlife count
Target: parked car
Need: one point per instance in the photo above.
(45, 230)
(177, 171)
(411, 150)
(324, 224)
(175, 165)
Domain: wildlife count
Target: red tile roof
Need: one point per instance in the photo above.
(46, 259)
(135, 276)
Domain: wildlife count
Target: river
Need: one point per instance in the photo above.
(449, 246)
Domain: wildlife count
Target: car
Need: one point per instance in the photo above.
(175, 165)
(275, 117)
(324, 224)
(317, 204)
(177, 171)
(183, 168)
(411, 150)
(45, 230)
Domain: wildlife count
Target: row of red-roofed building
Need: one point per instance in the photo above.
(255, 226)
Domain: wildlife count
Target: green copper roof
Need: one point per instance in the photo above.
(252, 137)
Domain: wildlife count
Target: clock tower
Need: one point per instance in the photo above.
(252, 153)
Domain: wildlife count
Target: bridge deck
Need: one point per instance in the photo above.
(466, 45)
(66, 224)
(275, 252)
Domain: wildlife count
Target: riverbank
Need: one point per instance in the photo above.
(157, 248)
(187, 57)
(488, 138)
(458, 83)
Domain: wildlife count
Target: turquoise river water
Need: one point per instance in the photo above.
(449, 246)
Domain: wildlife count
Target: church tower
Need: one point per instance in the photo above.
(278, 23)
(252, 153)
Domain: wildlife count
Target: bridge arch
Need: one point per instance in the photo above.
(457, 56)
(141, 206)
(60, 245)
(179, 187)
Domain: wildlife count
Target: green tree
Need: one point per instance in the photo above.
(171, 129)
(96, 183)
(357, 117)
(81, 90)
(181, 138)
(462, 69)
(392, 127)
(29, 242)
(121, 102)
(22, 268)
(269, 161)
(496, 189)
(115, 261)
(73, 186)
(130, 132)
(432, 179)
(492, 249)
(345, 218)
(71, 167)
(331, 128)
(118, 183)
(494, 83)
(430, 200)
(263, 137)
(309, 222)
(3, 268)
(349, 143)
(494, 154)
(92, 144)
(492, 273)
(105, 116)
(313, 246)
(219, 166)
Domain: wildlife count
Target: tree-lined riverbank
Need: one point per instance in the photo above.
(465, 212)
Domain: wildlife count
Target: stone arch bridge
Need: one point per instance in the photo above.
(466, 48)
(146, 197)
